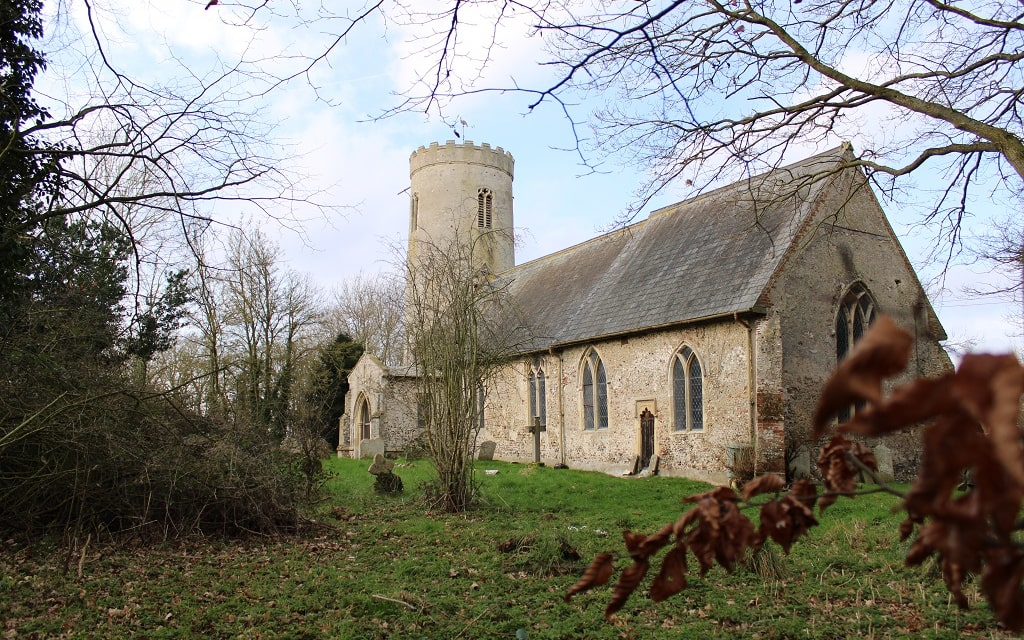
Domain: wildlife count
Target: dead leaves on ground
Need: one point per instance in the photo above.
(972, 429)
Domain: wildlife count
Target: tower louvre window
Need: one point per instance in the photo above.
(484, 208)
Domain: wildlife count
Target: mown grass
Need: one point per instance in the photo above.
(385, 567)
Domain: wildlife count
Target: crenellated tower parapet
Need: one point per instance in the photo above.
(462, 192)
(461, 153)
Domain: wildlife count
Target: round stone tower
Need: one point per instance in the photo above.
(462, 193)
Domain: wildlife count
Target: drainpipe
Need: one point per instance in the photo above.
(751, 385)
(561, 409)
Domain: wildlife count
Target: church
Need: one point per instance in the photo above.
(692, 343)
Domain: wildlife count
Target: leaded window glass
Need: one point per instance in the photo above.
(595, 393)
(588, 396)
(687, 391)
(856, 314)
(363, 418)
(537, 391)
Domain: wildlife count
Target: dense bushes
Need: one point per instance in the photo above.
(103, 459)
(96, 435)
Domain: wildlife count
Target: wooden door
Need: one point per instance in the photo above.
(646, 438)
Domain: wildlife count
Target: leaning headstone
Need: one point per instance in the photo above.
(486, 450)
(884, 456)
(800, 465)
(370, 447)
(386, 480)
(381, 465)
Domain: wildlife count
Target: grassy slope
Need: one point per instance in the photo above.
(388, 570)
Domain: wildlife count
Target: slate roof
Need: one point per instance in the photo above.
(711, 256)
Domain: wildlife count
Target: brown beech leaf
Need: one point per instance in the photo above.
(633, 541)
(906, 528)
(805, 492)
(708, 509)
(959, 544)
(641, 547)
(952, 445)
(883, 352)
(787, 519)
(907, 405)
(627, 584)
(718, 494)
(1001, 581)
(715, 530)
(990, 388)
(864, 455)
(736, 535)
(768, 483)
(775, 524)
(597, 574)
(837, 471)
(672, 577)
(679, 528)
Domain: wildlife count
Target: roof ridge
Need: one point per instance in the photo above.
(837, 152)
(705, 260)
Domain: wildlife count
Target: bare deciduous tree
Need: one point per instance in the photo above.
(1004, 247)
(135, 149)
(369, 309)
(271, 315)
(459, 329)
(253, 328)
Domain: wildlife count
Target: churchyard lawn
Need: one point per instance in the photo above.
(387, 567)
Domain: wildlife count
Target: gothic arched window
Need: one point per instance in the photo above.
(363, 418)
(856, 313)
(414, 211)
(537, 392)
(687, 391)
(595, 393)
(484, 207)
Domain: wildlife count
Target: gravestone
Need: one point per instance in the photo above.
(884, 456)
(386, 481)
(370, 447)
(800, 465)
(381, 465)
(486, 450)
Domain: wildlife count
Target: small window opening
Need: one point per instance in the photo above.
(484, 208)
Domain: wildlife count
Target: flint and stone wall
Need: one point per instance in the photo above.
(392, 402)
(639, 375)
(850, 242)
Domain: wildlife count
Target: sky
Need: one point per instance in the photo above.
(359, 164)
